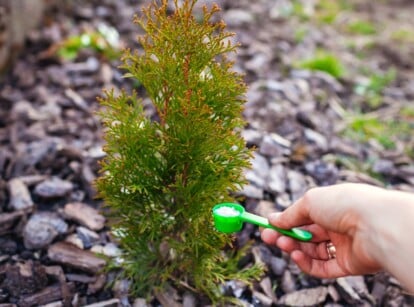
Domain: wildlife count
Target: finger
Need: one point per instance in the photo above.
(313, 250)
(319, 234)
(317, 268)
(269, 236)
(294, 216)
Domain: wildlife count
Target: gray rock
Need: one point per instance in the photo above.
(276, 181)
(283, 200)
(140, 302)
(109, 303)
(297, 184)
(385, 167)
(87, 236)
(252, 137)
(260, 164)
(189, 300)
(323, 173)
(238, 17)
(252, 191)
(280, 10)
(42, 228)
(274, 145)
(264, 208)
(53, 188)
(316, 138)
(111, 250)
(354, 289)
(20, 198)
(288, 282)
(75, 240)
(121, 291)
(305, 297)
(278, 265)
(34, 152)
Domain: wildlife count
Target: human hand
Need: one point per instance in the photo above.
(345, 215)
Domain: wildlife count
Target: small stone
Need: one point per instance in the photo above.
(278, 265)
(75, 240)
(288, 282)
(252, 137)
(305, 297)
(238, 17)
(265, 208)
(354, 289)
(333, 293)
(260, 164)
(189, 300)
(53, 188)
(277, 179)
(140, 302)
(252, 191)
(87, 236)
(263, 299)
(111, 250)
(121, 291)
(97, 249)
(323, 173)
(42, 228)
(97, 285)
(20, 198)
(274, 146)
(109, 303)
(267, 287)
(384, 167)
(297, 184)
(316, 138)
(84, 215)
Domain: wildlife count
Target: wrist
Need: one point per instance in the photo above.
(389, 235)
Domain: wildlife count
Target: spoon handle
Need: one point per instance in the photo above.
(295, 233)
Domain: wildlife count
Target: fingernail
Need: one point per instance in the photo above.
(274, 216)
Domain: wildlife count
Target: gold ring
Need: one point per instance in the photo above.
(331, 250)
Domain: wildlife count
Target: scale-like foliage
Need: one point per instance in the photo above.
(162, 178)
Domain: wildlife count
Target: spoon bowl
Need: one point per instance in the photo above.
(229, 218)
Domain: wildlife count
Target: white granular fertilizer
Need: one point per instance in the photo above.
(227, 211)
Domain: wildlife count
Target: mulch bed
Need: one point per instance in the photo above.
(51, 143)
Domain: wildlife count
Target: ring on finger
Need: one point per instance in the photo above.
(331, 250)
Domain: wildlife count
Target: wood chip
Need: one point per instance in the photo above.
(305, 297)
(85, 215)
(20, 198)
(109, 303)
(7, 221)
(47, 295)
(70, 255)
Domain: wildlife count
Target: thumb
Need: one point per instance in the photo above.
(294, 216)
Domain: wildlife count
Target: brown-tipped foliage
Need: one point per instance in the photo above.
(162, 178)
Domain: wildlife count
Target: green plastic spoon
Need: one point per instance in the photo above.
(229, 217)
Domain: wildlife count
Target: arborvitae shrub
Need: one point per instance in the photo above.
(161, 178)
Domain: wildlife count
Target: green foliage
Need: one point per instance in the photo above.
(300, 34)
(325, 62)
(373, 87)
(386, 132)
(162, 178)
(104, 41)
(362, 27)
(327, 10)
(403, 36)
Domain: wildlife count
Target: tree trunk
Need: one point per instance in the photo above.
(17, 18)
